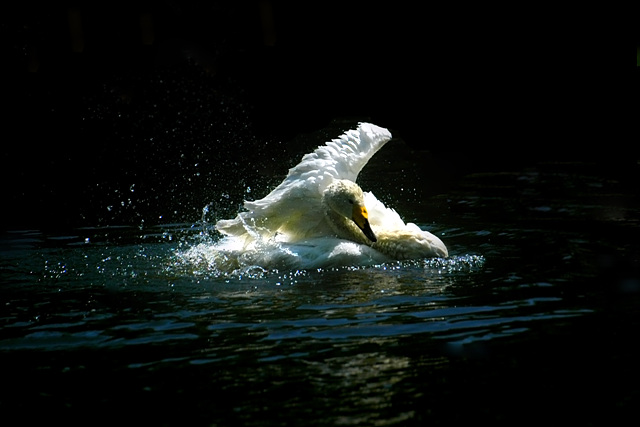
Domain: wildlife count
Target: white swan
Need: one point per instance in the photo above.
(319, 216)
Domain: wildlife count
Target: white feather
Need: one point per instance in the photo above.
(294, 206)
(290, 226)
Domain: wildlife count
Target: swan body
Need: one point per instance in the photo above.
(319, 216)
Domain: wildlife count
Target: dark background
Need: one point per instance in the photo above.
(142, 112)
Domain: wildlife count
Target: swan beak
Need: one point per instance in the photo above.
(361, 217)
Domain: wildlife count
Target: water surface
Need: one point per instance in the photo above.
(533, 317)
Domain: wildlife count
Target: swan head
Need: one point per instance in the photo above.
(346, 199)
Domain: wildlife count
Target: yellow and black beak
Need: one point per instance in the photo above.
(361, 217)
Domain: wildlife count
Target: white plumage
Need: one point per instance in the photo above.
(318, 216)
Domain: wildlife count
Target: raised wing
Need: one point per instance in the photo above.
(344, 157)
(296, 202)
(341, 158)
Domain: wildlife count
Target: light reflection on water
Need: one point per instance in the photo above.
(167, 301)
(382, 344)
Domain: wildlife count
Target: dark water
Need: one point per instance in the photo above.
(112, 148)
(534, 318)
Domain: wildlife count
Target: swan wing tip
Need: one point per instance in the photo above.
(375, 132)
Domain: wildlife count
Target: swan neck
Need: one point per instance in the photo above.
(344, 227)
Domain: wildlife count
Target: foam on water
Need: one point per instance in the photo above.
(229, 257)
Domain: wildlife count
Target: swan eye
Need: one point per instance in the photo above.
(350, 201)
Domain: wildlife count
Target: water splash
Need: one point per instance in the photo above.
(226, 257)
(455, 264)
